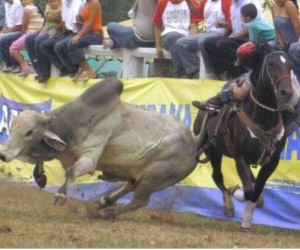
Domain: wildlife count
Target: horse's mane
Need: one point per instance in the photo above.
(263, 49)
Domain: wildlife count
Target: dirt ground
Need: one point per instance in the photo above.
(29, 220)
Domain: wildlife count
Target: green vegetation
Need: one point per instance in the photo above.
(113, 10)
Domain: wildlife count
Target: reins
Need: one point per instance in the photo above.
(262, 105)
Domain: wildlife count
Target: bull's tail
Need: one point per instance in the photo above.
(202, 141)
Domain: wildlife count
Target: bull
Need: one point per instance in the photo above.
(148, 150)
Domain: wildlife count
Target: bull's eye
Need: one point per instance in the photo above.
(29, 133)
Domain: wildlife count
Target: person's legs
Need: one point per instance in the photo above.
(29, 46)
(5, 41)
(62, 52)
(77, 57)
(169, 43)
(187, 51)
(211, 58)
(15, 51)
(124, 37)
(294, 53)
(47, 48)
(227, 48)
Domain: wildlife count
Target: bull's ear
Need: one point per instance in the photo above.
(54, 141)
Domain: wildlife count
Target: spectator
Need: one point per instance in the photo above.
(2, 23)
(211, 12)
(52, 27)
(32, 23)
(55, 45)
(52, 23)
(258, 27)
(2, 14)
(286, 21)
(141, 34)
(90, 34)
(11, 31)
(287, 26)
(222, 51)
(172, 20)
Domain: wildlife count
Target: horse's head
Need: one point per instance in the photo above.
(276, 74)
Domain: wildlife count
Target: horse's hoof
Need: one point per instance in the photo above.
(59, 199)
(260, 202)
(228, 205)
(246, 229)
(229, 212)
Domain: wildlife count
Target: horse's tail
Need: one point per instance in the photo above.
(200, 152)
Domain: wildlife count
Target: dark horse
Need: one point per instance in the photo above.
(251, 132)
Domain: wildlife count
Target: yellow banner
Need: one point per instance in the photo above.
(169, 96)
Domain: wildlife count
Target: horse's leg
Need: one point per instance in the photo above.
(262, 177)
(216, 161)
(260, 201)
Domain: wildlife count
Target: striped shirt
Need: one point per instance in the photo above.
(36, 20)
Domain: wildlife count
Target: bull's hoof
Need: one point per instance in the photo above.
(107, 214)
(104, 202)
(229, 212)
(41, 180)
(59, 199)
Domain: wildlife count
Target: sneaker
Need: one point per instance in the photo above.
(25, 72)
(16, 69)
(7, 68)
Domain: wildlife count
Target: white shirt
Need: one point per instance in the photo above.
(13, 13)
(176, 18)
(70, 9)
(213, 13)
(235, 13)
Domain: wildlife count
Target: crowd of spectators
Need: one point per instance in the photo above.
(59, 36)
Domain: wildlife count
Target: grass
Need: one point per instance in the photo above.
(29, 220)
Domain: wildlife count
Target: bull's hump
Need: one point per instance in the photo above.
(102, 92)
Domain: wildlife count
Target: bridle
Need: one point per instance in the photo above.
(274, 82)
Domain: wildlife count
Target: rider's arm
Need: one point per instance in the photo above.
(239, 92)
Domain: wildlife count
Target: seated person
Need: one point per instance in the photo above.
(141, 34)
(172, 20)
(32, 23)
(258, 27)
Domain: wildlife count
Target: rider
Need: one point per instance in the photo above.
(240, 88)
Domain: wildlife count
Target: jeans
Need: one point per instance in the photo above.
(47, 48)
(5, 41)
(222, 55)
(72, 56)
(169, 43)
(39, 62)
(294, 53)
(187, 48)
(227, 48)
(124, 36)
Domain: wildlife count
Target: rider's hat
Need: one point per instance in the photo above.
(244, 51)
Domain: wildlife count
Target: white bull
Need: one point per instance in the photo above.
(148, 150)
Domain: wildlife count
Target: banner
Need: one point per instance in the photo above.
(197, 193)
